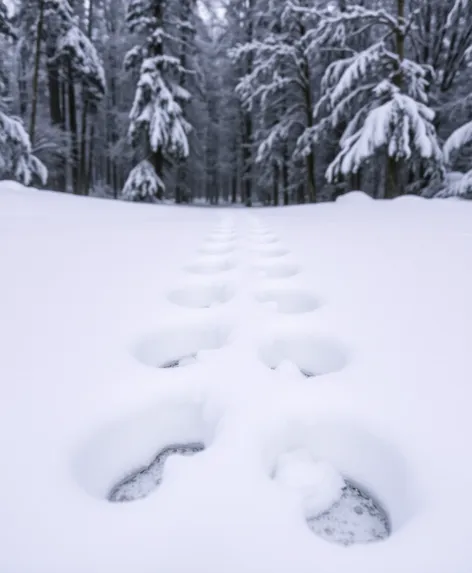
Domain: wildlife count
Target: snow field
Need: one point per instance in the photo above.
(94, 389)
(317, 484)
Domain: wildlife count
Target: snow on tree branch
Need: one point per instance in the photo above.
(6, 27)
(143, 183)
(456, 140)
(75, 47)
(155, 108)
(401, 126)
(16, 158)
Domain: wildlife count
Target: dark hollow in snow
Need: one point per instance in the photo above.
(305, 373)
(179, 362)
(355, 518)
(142, 482)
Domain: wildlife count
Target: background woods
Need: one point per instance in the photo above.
(249, 101)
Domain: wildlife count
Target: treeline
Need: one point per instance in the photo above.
(260, 101)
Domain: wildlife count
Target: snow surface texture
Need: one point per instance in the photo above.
(101, 373)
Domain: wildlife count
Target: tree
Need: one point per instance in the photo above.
(383, 96)
(79, 60)
(157, 122)
(280, 88)
(16, 157)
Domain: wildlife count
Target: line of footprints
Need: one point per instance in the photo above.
(354, 515)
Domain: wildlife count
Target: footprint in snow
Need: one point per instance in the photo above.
(142, 482)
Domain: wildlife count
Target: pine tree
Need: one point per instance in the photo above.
(280, 87)
(383, 96)
(16, 157)
(157, 122)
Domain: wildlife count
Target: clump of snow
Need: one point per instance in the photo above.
(354, 197)
(289, 369)
(318, 483)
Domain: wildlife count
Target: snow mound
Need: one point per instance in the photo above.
(291, 370)
(354, 198)
(318, 483)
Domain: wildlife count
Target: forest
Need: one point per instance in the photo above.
(252, 102)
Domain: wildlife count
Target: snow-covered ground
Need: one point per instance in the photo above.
(319, 343)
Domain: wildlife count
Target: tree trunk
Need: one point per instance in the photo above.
(89, 173)
(285, 174)
(248, 127)
(37, 59)
(276, 176)
(234, 188)
(310, 160)
(391, 179)
(56, 107)
(394, 166)
(73, 130)
(83, 183)
(308, 97)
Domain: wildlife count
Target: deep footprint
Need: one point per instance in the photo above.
(141, 483)
(355, 518)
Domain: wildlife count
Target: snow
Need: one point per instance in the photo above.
(318, 483)
(456, 140)
(87, 320)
